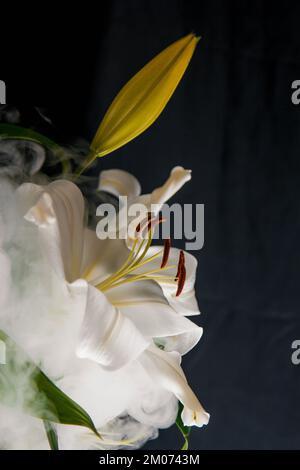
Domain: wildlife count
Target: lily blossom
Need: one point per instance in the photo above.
(130, 308)
(120, 183)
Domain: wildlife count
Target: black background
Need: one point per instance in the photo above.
(233, 123)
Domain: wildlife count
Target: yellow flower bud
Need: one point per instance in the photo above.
(143, 98)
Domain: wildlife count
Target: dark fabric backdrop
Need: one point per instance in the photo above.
(232, 121)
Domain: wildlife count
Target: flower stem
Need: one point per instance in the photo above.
(86, 163)
(51, 435)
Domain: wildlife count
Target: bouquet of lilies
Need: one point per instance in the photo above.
(92, 330)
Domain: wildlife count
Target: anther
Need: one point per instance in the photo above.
(181, 280)
(166, 253)
(181, 262)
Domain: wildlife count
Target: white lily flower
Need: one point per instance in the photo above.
(125, 311)
(121, 183)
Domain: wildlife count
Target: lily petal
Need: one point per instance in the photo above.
(153, 202)
(119, 183)
(108, 337)
(165, 370)
(145, 305)
(58, 212)
(178, 177)
(194, 418)
(186, 303)
(156, 406)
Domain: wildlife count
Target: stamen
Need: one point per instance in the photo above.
(147, 222)
(121, 270)
(139, 226)
(167, 246)
(139, 277)
(137, 259)
(133, 262)
(144, 252)
(152, 223)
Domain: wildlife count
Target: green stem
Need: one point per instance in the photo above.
(51, 435)
(87, 162)
(185, 430)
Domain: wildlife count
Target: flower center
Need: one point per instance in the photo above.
(138, 261)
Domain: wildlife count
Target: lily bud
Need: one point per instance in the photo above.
(143, 98)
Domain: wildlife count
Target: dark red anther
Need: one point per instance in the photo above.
(181, 262)
(138, 228)
(166, 253)
(181, 280)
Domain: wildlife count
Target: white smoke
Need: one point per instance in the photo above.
(20, 159)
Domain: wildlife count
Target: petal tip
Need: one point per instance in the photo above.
(198, 418)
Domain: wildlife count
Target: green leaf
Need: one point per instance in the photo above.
(23, 385)
(185, 430)
(51, 435)
(13, 132)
